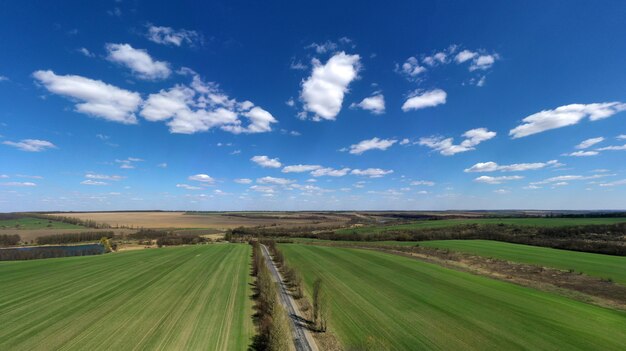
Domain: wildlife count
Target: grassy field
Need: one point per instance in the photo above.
(603, 266)
(185, 298)
(407, 304)
(543, 222)
(29, 223)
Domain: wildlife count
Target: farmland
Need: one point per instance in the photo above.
(538, 222)
(603, 266)
(406, 304)
(193, 297)
(30, 223)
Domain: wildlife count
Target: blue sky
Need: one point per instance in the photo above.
(292, 106)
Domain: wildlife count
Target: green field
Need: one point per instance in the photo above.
(442, 223)
(35, 223)
(603, 266)
(409, 305)
(185, 298)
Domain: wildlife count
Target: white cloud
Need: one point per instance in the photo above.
(496, 180)
(516, 167)
(405, 141)
(582, 153)
(419, 100)
(243, 180)
(589, 143)
(170, 36)
(162, 165)
(323, 92)
(446, 147)
(300, 168)
(4, 78)
(435, 59)
(464, 56)
(501, 191)
(31, 145)
(128, 163)
(323, 48)
(375, 104)
(567, 178)
(615, 183)
(411, 68)
(93, 182)
(263, 189)
(275, 181)
(371, 172)
(621, 137)
(330, 172)
(138, 61)
(96, 97)
(204, 178)
(103, 176)
(483, 62)
(86, 52)
(202, 106)
(266, 162)
(564, 116)
(188, 187)
(613, 148)
(423, 182)
(19, 184)
(371, 144)
(4, 176)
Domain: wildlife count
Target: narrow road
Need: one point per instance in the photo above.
(302, 338)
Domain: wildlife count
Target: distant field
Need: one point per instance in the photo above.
(185, 298)
(539, 222)
(203, 220)
(603, 266)
(407, 304)
(29, 223)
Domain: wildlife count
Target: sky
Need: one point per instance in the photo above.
(325, 105)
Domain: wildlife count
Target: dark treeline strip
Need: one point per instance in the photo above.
(38, 252)
(604, 239)
(271, 317)
(9, 240)
(152, 234)
(69, 238)
(69, 220)
(180, 239)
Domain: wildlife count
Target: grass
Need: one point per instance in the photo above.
(603, 266)
(406, 304)
(539, 222)
(29, 223)
(184, 298)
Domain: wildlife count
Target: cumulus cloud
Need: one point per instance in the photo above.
(243, 180)
(96, 97)
(138, 61)
(371, 172)
(128, 163)
(330, 172)
(86, 52)
(202, 106)
(465, 55)
(274, 180)
(374, 104)
(516, 167)
(564, 116)
(300, 168)
(589, 143)
(204, 178)
(436, 59)
(323, 92)
(613, 148)
(621, 137)
(419, 100)
(371, 144)
(263, 189)
(170, 36)
(30, 145)
(446, 147)
(483, 62)
(266, 162)
(411, 68)
(496, 180)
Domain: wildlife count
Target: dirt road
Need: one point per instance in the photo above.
(302, 338)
